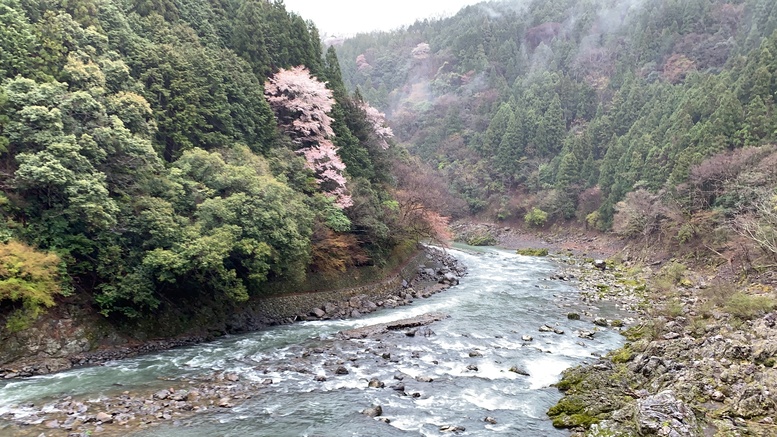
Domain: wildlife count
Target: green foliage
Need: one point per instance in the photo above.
(570, 412)
(536, 218)
(638, 105)
(30, 277)
(533, 252)
(138, 145)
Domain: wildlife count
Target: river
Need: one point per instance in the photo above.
(504, 297)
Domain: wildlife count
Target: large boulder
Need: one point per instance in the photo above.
(664, 415)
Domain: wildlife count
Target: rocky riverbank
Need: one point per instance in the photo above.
(113, 414)
(580, 242)
(700, 360)
(702, 351)
(67, 341)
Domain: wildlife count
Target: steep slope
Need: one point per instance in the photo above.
(567, 106)
(161, 156)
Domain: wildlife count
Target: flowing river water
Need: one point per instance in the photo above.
(504, 297)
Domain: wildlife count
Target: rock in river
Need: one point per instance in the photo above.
(518, 370)
(374, 411)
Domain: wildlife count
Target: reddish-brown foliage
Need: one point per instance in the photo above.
(677, 67)
(424, 203)
(333, 253)
(640, 214)
(544, 33)
(588, 201)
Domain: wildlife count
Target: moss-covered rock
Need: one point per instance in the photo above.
(481, 240)
(532, 252)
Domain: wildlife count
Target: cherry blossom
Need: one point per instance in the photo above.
(377, 121)
(301, 103)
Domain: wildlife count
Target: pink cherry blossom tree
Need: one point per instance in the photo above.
(302, 103)
(377, 121)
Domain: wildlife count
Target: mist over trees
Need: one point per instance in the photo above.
(566, 107)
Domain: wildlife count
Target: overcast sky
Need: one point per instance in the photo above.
(347, 17)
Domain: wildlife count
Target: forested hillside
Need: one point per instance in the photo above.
(557, 110)
(163, 153)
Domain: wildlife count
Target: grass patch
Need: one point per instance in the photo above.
(741, 304)
(636, 332)
(746, 307)
(671, 309)
(621, 355)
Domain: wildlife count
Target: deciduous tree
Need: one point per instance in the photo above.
(302, 105)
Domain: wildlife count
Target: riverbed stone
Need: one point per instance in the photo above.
(330, 308)
(161, 395)
(398, 387)
(449, 278)
(318, 312)
(519, 370)
(225, 403)
(374, 411)
(341, 370)
(586, 334)
(376, 383)
(664, 415)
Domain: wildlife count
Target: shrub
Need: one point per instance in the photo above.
(745, 307)
(640, 214)
(718, 293)
(536, 218)
(30, 277)
(671, 275)
(594, 220)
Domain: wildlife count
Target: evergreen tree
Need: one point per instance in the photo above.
(496, 130)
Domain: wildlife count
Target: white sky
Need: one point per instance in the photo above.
(348, 17)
